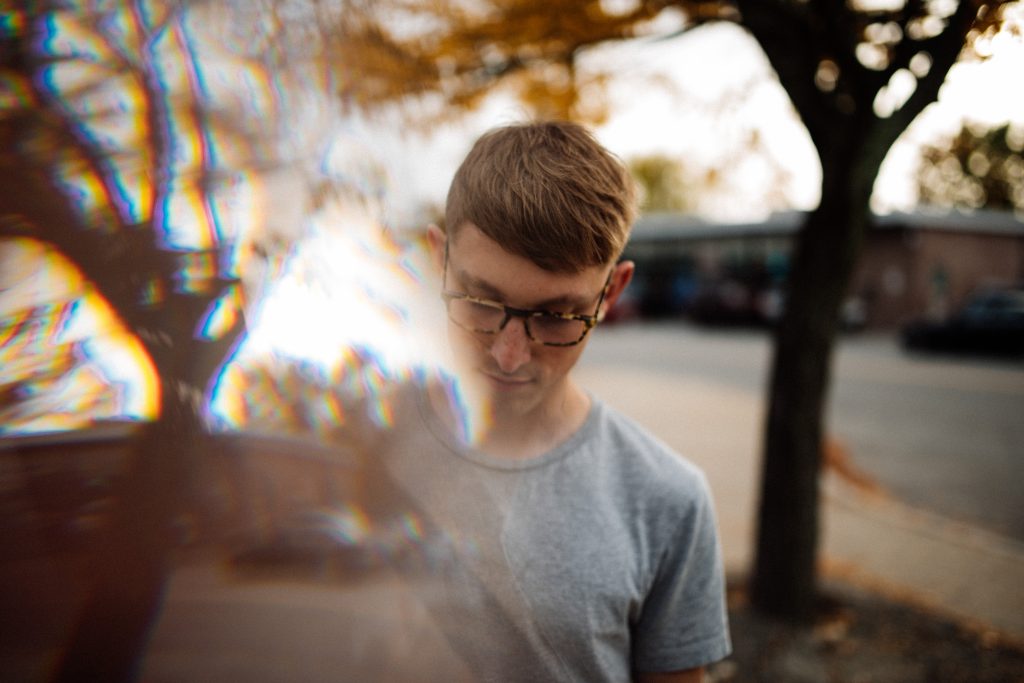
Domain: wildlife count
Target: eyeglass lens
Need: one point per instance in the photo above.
(546, 329)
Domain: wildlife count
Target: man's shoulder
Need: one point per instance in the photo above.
(641, 457)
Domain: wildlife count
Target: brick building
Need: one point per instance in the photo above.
(914, 264)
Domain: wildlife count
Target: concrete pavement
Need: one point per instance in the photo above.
(868, 538)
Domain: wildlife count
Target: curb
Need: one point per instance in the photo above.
(944, 565)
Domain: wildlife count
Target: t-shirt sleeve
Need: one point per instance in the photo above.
(683, 623)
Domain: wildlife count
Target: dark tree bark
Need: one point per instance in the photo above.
(129, 570)
(852, 142)
(784, 576)
(123, 261)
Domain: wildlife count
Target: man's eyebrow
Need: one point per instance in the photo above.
(487, 290)
(479, 286)
(564, 301)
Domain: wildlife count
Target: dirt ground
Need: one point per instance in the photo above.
(862, 637)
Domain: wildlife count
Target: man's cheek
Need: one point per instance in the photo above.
(466, 346)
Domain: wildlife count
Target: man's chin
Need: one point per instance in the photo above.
(509, 397)
(493, 387)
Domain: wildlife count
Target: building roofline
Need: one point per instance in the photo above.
(659, 227)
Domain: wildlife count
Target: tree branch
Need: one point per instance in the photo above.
(786, 34)
(944, 49)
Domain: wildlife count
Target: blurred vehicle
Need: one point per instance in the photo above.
(730, 302)
(735, 303)
(991, 322)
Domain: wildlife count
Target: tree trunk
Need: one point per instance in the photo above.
(826, 250)
(130, 569)
(851, 143)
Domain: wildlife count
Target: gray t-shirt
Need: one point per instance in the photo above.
(592, 561)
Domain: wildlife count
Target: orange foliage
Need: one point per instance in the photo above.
(463, 51)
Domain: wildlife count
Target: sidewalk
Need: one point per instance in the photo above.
(868, 539)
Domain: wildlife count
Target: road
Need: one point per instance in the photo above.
(941, 434)
(945, 434)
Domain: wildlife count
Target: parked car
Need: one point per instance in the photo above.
(730, 302)
(991, 322)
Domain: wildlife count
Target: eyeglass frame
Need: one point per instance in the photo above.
(589, 321)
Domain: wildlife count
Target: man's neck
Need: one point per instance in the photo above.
(534, 433)
(529, 434)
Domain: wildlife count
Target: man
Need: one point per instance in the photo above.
(581, 548)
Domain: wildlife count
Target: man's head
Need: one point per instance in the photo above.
(548, 192)
(537, 216)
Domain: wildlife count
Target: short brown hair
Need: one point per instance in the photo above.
(547, 191)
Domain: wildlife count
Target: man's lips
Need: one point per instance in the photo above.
(506, 380)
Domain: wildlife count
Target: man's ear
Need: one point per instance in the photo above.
(621, 276)
(436, 239)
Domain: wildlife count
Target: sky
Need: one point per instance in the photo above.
(663, 102)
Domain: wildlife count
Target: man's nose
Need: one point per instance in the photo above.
(511, 347)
